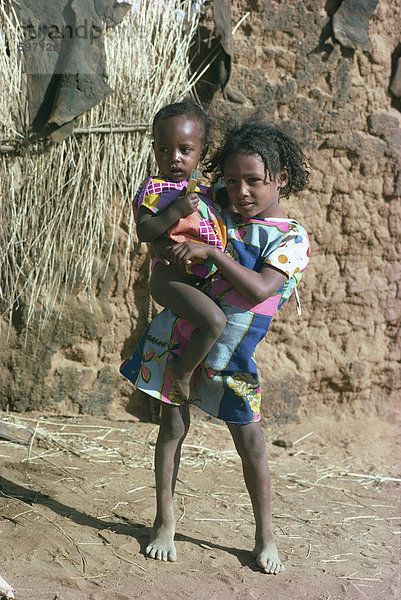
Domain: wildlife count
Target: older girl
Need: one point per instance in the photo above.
(265, 257)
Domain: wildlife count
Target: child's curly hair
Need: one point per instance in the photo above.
(275, 148)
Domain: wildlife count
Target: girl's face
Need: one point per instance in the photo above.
(249, 188)
(178, 146)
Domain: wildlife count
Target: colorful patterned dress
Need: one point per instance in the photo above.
(205, 225)
(226, 385)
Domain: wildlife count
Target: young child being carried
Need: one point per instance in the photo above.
(164, 206)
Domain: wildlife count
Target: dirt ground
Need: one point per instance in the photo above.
(76, 510)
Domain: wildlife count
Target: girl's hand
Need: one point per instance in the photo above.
(256, 286)
(185, 252)
(186, 205)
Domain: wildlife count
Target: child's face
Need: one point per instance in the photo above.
(178, 146)
(249, 188)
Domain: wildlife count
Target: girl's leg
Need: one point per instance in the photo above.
(174, 425)
(174, 290)
(250, 443)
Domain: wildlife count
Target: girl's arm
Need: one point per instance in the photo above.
(150, 226)
(255, 286)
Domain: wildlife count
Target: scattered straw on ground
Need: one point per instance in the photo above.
(333, 511)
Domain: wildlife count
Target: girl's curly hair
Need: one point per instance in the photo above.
(275, 148)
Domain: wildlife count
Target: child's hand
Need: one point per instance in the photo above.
(185, 252)
(162, 248)
(186, 205)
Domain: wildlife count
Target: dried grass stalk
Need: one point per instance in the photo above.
(61, 204)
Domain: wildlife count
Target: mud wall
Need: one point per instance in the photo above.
(336, 100)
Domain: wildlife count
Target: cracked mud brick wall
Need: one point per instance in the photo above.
(336, 101)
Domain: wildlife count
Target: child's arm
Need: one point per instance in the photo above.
(150, 226)
(255, 286)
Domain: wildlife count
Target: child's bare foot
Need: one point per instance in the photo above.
(161, 544)
(180, 380)
(266, 555)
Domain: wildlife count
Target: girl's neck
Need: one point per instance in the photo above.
(274, 213)
(277, 212)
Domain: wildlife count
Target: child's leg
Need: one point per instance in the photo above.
(250, 443)
(173, 289)
(174, 425)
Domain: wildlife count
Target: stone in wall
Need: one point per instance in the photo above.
(351, 23)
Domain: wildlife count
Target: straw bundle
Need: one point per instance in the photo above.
(61, 204)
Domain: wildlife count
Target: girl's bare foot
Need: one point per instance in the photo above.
(161, 544)
(266, 555)
(180, 380)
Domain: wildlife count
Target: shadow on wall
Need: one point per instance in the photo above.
(395, 79)
(143, 406)
(281, 398)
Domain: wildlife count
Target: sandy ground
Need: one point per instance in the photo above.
(76, 510)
